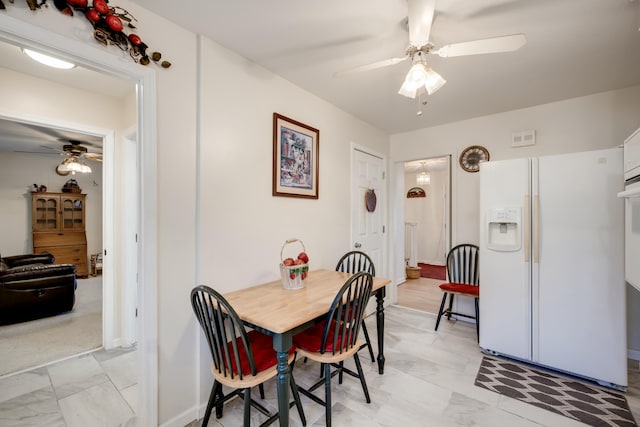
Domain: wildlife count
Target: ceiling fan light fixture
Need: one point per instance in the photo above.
(48, 60)
(71, 164)
(433, 81)
(421, 76)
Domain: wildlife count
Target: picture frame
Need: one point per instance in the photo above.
(295, 158)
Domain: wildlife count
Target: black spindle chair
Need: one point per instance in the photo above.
(336, 338)
(354, 262)
(463, 279)
(241, 359)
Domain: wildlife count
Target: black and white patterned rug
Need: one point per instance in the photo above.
(567, 396)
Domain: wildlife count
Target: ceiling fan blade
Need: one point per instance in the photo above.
(93, 156)
(476, 47)
(420, 20)
(372, 66)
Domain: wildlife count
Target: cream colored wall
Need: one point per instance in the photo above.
(428, 213)
(592, 122)
(242, 226)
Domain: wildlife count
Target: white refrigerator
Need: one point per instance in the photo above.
(552, 288)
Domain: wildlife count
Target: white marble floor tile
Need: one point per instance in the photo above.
(130, 394)
(35, 409)
(19, 384)
(74, 375)
(122, 370)
(99, 405)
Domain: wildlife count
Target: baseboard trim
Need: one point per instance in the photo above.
(182, 419)
(633, 354)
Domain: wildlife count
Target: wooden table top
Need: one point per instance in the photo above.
(276, 309)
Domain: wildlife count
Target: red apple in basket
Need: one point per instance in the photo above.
(299, 262)
(304, 257)
(288, 261)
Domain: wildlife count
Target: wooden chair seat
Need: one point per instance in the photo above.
(461, 289)
(264, 358)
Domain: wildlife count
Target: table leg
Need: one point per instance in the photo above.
(380, 294)
(281, 344)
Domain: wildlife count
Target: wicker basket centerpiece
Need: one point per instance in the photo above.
(293, 271)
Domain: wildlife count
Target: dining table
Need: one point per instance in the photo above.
(281, 313)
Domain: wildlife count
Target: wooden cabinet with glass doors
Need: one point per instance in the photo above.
(58, 226)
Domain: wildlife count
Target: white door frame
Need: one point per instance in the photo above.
(128, 244)
(22, 33)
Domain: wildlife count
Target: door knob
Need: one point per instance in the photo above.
(357, 245)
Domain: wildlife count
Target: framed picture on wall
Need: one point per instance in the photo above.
(295, 158)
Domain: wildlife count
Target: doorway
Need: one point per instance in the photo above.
(34, 150)
(426, 211)
(24, 34)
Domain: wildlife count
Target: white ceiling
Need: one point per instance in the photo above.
(33, 138)
(574, 48)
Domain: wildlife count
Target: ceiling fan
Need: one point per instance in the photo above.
(421, 78)
(75, 153)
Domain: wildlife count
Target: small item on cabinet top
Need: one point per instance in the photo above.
(71, 186)
(39, 188)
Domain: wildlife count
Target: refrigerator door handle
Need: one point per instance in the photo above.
(627, 194)
(527, 230)
(536, 232)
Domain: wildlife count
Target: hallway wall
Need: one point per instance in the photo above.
(429, 214)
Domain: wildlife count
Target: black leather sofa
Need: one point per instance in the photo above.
(31, 287)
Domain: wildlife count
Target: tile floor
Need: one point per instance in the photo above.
(98, 388)
(428, 381)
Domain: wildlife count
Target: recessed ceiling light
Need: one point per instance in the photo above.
(48, 60)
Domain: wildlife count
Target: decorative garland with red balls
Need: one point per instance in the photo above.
(108, 25)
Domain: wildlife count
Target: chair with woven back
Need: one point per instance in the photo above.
(335, 339)
(354, 262)
(463, 279)
(241, 359)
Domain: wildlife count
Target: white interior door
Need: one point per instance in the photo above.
(367, 224)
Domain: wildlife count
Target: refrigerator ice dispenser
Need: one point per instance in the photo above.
(504, 229)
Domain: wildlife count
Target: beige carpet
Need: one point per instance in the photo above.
(30, 344)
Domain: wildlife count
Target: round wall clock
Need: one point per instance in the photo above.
(471, 157)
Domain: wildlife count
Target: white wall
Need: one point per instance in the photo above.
(592, 122)
(428, 213)
(242, 227)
